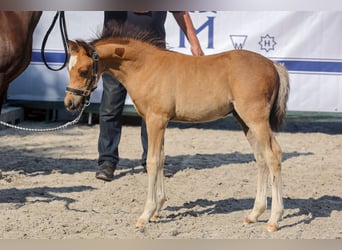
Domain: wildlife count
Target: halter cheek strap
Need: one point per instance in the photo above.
(91, 86)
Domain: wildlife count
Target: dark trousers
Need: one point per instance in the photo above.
(111, 108)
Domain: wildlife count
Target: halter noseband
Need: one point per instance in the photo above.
(93, 79)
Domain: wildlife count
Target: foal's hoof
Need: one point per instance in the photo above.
(140, 223)
(155, 218)
(248, 221)
(272, 228)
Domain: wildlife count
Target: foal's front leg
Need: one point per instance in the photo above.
(155, 194)
(161, 198)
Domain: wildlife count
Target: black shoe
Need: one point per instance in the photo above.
(106, 171)
(144, 166)
(168, 173)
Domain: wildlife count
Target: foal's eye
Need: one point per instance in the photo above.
(84, 73)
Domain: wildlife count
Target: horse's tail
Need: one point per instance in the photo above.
(279, 107)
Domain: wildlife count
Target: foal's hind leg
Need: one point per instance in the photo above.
(272, 154)
(260, 202)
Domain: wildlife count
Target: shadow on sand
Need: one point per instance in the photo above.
(311, 208)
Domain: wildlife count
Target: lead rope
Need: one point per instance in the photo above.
(64, 35)
(64, 126)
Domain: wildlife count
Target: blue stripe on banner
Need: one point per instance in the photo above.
(51, 57)
(312, 66)
(293, 65)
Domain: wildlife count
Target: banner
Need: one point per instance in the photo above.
(309, 44)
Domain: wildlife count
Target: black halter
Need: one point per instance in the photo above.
(92, 81)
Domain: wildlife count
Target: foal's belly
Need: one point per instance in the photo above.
(202, 113)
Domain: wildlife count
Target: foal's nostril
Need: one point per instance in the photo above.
(68, 104)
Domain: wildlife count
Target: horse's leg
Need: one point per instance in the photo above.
(273, 159)
(260, 202)
(161, 198)
(3, 88)
(272, 155)
(155, 194)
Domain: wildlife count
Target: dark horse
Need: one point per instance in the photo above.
(16, 31)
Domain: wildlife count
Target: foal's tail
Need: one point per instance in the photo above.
(279, 107)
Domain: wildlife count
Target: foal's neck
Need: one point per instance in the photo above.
(124, 60)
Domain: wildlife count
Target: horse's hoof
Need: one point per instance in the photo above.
(155, 218)
(272, 228)
(247, 221)
(140, 223)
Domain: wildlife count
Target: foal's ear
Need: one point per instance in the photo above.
(73, 46)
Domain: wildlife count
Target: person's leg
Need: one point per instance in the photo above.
(111, 107)
(144, 143)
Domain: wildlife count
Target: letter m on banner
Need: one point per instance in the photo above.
(209, 24)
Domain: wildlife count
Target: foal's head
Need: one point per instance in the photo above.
(82, 67)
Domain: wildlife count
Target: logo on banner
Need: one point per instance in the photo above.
(238, 41)
(267, 43)
(208, 26)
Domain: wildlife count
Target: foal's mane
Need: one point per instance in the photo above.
(122, 34)
(116, 32)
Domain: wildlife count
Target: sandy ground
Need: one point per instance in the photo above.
(48, 189)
